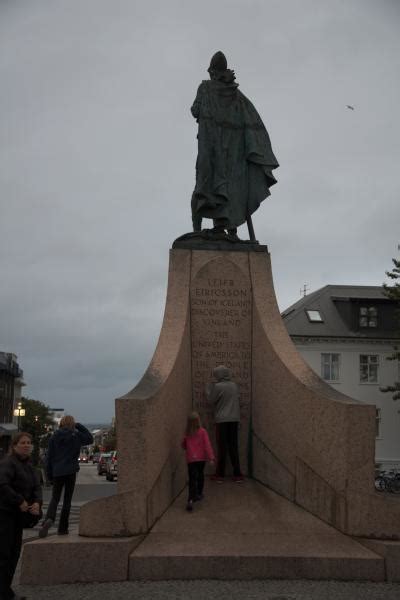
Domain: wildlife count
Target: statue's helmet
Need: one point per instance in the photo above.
(218, 62)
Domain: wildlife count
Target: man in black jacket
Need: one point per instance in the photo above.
(62, 467)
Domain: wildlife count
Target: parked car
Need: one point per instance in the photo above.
(95, 457)
(102, 464)
(112, 467)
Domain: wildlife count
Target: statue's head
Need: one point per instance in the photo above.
(218, 62)
(218, 68)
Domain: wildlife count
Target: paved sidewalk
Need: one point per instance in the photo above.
(211, 589)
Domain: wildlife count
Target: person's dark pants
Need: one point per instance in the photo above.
(10, 549)
(196, 479)
(68, 483)
(227, 443)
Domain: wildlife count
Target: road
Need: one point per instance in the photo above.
(89, 486)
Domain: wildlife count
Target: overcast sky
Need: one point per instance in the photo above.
(97, 159)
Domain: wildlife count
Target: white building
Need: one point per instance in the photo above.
(346, 334)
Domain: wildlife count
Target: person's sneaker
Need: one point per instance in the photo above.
(217, 478)
(44, 530)
(189, 506)
(238, 479)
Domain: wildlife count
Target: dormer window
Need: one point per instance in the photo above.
(314, 316)
(368, 316)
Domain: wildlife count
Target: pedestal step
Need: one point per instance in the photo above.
(73, 558)
(253, 556)
(245, 531)
(239, 531)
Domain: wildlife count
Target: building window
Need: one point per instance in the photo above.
(314, 316)
(330, 367)
(369, 366)
(378, 418)
(368, 316)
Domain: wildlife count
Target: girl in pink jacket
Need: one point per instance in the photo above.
(198, 450)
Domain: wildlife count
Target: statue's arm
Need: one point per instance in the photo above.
(195, 109)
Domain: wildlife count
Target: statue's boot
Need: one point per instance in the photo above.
(196, 220)
(232, 232)
(219, 226)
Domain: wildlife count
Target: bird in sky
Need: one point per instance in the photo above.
(350, 107)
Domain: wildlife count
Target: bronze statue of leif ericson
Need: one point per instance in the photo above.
(235, 159)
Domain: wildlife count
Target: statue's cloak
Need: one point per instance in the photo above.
(235, 159)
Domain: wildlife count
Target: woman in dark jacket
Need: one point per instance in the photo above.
(20, 492)
(62, 467)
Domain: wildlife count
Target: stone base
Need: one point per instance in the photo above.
(251, 557)
(207, 239)
(239, 531)
(298, 435)
(246, 532)
(72, 559)
(390, 551)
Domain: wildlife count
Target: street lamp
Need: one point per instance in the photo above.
(19, 412)
(36, 439)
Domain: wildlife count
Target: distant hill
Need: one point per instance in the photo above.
(92, 426)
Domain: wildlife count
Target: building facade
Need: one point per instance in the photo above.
(11, 384)
(347, 335)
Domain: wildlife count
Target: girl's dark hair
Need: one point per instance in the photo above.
(193, 423)
(18, 437)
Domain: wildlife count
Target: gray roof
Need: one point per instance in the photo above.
(7, 428)
(328, 300)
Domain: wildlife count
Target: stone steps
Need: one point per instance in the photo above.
(239, 531)
(246, 532)
(252, 557)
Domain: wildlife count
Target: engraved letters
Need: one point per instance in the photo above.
(221, 334)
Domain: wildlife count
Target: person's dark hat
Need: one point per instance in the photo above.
(218, 62)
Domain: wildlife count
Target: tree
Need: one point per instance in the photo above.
(110, 441)
(36, 422)
(393, 293)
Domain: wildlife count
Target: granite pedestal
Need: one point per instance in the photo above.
(299, 437)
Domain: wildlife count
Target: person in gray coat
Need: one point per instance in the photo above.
(224, 397)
